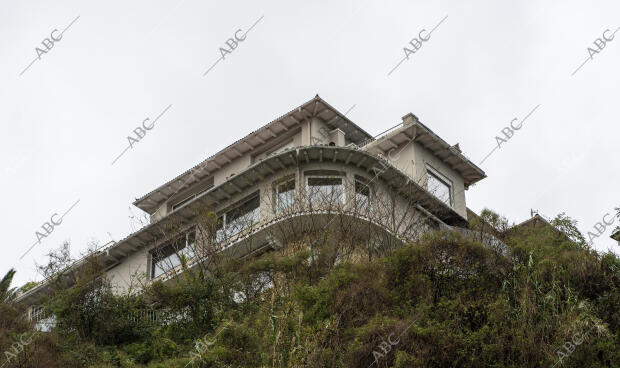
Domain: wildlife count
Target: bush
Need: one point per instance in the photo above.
(139, 352)
(444, 301)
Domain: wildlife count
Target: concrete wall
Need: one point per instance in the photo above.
(412, 159)
(236, 166)
(422, 158)
(319, 132)
(403, 158)
(122, 275)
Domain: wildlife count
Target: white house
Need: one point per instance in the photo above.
(280, 175)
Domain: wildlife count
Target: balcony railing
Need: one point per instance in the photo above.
(385, 132)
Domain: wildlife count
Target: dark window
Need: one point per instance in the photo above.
(169, 256)
(362, 195)
(284, 195)
(239, 218)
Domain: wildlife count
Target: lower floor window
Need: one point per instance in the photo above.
(242, 217)
(169, 256)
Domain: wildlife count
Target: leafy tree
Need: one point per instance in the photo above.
(7, 293)
(568, 226)
(447, 299)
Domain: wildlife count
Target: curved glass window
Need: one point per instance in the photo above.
(284, 195)
(362, 194)
(325, 189)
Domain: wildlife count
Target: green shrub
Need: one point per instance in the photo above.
(139, 352)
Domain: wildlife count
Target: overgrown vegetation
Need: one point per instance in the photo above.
(444, 301)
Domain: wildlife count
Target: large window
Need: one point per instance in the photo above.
(325, 189)
(362, 194)
(169, 256)
(439, 185)
(284, 193)
(242, 217)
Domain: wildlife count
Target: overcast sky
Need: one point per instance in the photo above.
(67, 117)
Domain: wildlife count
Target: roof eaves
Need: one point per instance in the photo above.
(455, 217)
(139, 200)
(252, 167)
(453, 150)
(394, 132)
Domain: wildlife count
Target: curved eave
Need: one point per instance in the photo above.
(293, 157)
(246, 180)
(261, 237)
(315, 108)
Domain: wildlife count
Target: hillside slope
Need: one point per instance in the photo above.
(446, 301)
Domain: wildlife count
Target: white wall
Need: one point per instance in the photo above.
(423, 157)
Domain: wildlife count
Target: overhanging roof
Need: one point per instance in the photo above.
(616, 235)
(421, 134)
(247, 179)
(316, 107)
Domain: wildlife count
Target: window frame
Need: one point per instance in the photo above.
(435, 174)
(167, 260)
(277, 208)
(366, 183)
(221, 232)
(325, 174)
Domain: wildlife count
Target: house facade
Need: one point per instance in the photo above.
(292, 176)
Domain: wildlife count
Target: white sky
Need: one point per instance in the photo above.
(68, 116)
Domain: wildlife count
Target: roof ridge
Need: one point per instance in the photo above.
(221, 151)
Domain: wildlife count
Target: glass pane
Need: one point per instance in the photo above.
(168, 257)
(219, 229)
(240, 218)
(327, 190)
(439, 188)
(285, 195)
(362, 196)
